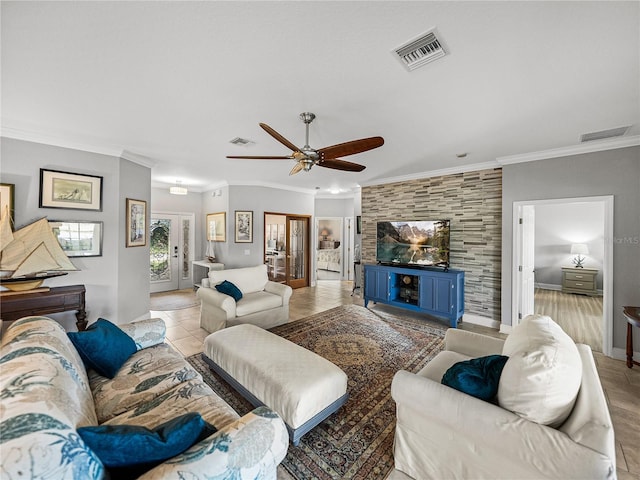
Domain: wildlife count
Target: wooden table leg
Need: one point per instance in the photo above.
(629, 346)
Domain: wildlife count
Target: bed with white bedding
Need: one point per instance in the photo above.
(329, 259)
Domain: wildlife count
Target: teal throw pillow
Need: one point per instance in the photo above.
(130, 450)
(230, 289)
(478, 377)
(103, 346)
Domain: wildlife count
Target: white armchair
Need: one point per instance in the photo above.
(444, 433)
(263, 303)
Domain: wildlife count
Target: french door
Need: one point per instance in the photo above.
(297, 249)
(171, 251)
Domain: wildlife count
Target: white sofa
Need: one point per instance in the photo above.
(47, 394)
(444, 433)
(264, 303)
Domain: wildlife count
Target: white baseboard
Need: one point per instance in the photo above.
(478, 320)
(558, 288)
(506, 329)
(621, 354)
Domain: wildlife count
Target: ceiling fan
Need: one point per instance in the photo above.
(306, 157)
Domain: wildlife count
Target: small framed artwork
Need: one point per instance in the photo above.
(136, 223)
(358, 224)
(217, 227)
(244, 226)
(70, 190)
(78, 239)
(7, 201)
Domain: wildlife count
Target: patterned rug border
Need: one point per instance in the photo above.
(357, 441)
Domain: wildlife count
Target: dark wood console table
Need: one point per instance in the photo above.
(57, 299)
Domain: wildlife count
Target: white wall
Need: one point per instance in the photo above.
(557, 226)
(112, 280)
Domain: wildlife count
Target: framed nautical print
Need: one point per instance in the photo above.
(7, 201)
(70, 190)
(78, 238)
(216, 227)
(136, 223)
(244, 226)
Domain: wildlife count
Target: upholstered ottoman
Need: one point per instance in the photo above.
(302, 387)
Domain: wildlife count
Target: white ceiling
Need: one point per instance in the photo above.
(175, 81)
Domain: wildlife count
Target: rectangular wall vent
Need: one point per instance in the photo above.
(240, 141)
(420, 51)
(602, 134)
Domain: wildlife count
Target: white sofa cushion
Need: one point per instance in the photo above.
(442, 362)
(248, 280)
(257, 302)
(541, 379)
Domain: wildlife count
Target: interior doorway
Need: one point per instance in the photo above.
(583, 220)
(171, 242)
(329, 248)
(286, 249)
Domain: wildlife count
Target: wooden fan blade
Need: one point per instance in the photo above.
(261, 157)
(338, 164)
(296, 168)
(279, 137)
(350, 148)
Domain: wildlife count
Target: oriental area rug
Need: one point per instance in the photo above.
(356, 442)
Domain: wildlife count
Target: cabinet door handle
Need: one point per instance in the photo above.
(578, 284)
(578, 276)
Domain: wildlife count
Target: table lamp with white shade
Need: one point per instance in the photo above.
(579, 249)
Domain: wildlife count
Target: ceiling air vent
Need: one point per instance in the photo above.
(240, 141)
(602, 134)
(420, 51)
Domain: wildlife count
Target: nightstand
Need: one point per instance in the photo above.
(579, 280)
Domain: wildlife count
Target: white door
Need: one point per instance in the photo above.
(171, 246)
(528, 260)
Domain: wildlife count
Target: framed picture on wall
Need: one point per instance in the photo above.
(73, 191)
(78, 239)
(217, 227)
(7, 201)
(358, 224)
(244, 226)
(136, 213)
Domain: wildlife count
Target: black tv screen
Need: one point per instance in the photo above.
(420, 242)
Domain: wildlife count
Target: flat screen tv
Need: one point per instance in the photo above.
(414, 243)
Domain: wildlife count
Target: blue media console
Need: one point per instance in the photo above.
(432, 291)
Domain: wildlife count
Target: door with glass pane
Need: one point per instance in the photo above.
(297, 251)
(171, 246)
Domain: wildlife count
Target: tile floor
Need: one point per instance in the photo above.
(621, 384)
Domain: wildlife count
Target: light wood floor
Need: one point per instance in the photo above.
(621, 384)
(578, 315)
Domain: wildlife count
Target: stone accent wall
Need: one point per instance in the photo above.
(473, 203)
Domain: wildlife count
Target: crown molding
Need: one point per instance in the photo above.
(433, 173)
(596, 146)
(139, 159)
(56, 141)
(278, 186)
(336, 196)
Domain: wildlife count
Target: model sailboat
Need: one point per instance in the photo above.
(29, 255)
